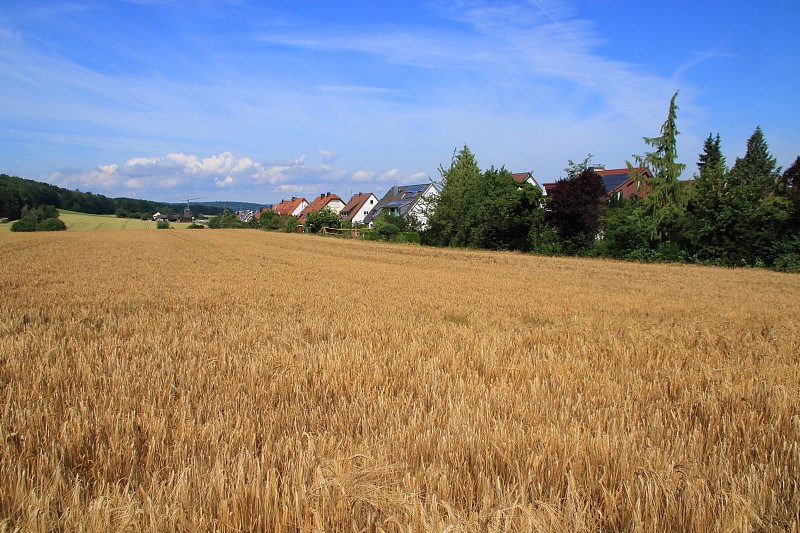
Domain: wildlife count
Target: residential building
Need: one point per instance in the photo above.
(292, 207)
(359, 206)
(617, 183)
(523, 177)
(322, 201)
(404, 201)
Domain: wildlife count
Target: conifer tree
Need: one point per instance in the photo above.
(665, 200)
(712, 230)
(448, 224)
(759, 214)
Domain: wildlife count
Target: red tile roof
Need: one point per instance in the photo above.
(353, 207)
(319, 203)
(287, 207)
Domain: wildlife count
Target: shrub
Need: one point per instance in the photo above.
(24, 224)
(51, 224)
(387, 230)
(162, 224)
(195, 226)
(290, 224)
(408, 237)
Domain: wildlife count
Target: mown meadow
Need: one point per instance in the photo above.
(239, 380)
(85, 222)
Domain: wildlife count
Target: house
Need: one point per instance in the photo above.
(526, 177)
(291, 207)
(320, 202)
(359, 206)
(404, 201)
(244, 216)
(617, 183)
(261, 210)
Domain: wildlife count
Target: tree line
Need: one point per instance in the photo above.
(18, 195)
(747, 214)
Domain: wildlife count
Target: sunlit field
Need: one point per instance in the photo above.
(238, 380)
(85, 222)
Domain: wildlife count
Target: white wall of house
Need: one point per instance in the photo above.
(368, 206)
(417, 210)
(302, 205)
(335, 205)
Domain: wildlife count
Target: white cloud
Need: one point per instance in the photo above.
(169, 177)
(328, 156)
(223, 183)
(364, 175)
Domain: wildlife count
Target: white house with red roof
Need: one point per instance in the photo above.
(359, 206)
(321, 202)
(291, 207)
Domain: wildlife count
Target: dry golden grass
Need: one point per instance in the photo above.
(240, 380)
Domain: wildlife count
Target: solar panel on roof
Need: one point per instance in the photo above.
(612, 181)
(415, 188)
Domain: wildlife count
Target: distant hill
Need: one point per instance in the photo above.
(19, 193)
(233, 206)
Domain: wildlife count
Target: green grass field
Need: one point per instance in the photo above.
(84, 222)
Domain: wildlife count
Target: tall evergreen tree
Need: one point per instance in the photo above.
(665, 202)
(790, 185)
(759, 214)
(449, 224)
(711, 227)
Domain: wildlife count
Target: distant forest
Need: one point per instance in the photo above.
(19, 194)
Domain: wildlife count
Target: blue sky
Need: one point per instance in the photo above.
(259, 101)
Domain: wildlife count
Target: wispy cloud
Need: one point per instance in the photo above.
(520, 81)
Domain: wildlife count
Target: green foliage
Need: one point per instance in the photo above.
(711, 217)
(665, 203)
(387, 224)
(162, 224)
(324, 218)
(756, 215)
(790, 188)
(195, 226)
(290, 224)
(624, 235)
(386, 230)
(226, 220)
(41, 218)
(268, 220)
(407, 237)
(24, 225)
(51, 224)
(121, 213)
(482, 209)
(447, 225)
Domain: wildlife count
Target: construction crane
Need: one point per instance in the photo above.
(187, 212)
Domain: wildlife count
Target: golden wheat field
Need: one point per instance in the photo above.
(238, 380)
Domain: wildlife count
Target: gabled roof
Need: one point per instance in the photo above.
(400, 198)
(353, 207)
(522, 177)
(319, 203)
(287, 207)
(615, 179)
